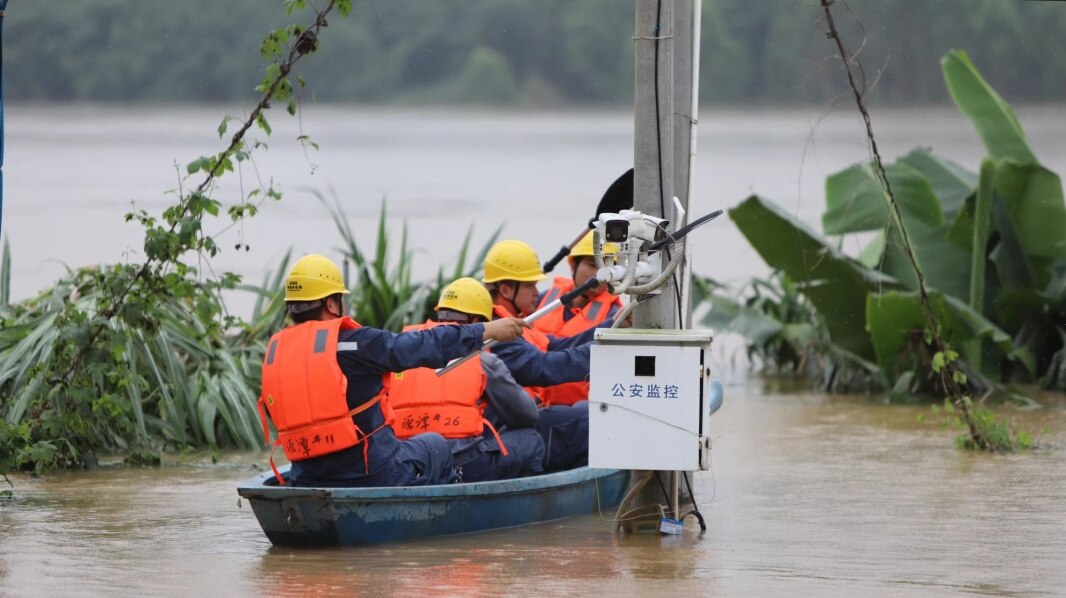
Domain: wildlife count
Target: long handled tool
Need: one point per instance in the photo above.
(564, 299)
(618, 197)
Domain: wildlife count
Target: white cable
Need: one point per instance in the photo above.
(661, 280)
(631, 270)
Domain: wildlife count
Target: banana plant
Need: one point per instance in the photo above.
(991, 246)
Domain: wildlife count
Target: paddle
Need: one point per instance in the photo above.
(684, 230)
(618, 197)
(564, 299)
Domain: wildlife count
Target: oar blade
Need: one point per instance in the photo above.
(619, 196)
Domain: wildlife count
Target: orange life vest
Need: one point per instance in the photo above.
(535, 337)
(593, 313)
(304, 391)
(421, 401)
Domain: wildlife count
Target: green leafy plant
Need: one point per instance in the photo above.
(1003, 436)
(991, 248)
(190, 383)
(135, 357)
(785, 333)
(960, 286)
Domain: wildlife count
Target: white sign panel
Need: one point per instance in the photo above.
(645, 404)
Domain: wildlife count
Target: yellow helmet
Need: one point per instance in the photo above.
(512, 260)
(584, 247)
(313, 277)
(467, 296)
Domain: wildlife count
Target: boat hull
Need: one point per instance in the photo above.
(352, 516)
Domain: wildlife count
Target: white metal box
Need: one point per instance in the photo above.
(648, 404)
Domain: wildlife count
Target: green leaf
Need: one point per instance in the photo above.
(993, 118)
(261, 122)
(727, 315)
(951, 183)
(896, 319)
(1033, 196)
(870, 256)
(294, 5)
(856, 201)
(1014, 268)
(202, 163)
(835, 283)
(945, 265)
(223, 125)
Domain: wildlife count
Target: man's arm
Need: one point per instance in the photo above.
(508, 400)
(396, 352)
(435, 347)
(561, 343)
(532, 367)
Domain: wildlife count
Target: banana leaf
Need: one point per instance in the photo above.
(895, 318)
(951, 183)
(1033, 196)
(836, 284)
(856, 201)
(990, 114)
(727, 315)
(945, 265)
(1013, 267)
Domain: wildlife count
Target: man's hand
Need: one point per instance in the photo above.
(504, 329)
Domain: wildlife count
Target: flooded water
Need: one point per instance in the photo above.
(71, 174)
(808, 495)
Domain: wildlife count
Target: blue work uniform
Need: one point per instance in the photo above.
(564, 428)
(514, 415)
(364, 355)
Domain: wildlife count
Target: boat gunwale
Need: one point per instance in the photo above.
(257, 487)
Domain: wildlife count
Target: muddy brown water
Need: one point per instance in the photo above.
(808, 495)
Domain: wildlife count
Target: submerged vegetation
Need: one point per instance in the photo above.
(990, 248)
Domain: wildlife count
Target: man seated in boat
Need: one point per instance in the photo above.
(322, 386)
(537, 360)
(486, 416)
(591, 309)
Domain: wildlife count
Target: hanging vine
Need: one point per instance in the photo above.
(945, 362)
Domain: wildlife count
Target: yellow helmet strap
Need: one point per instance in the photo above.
(515, 285)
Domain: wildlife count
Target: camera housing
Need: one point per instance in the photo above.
(616, 231)
(631, 224)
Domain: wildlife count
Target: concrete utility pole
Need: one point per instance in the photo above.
(686, 99)
(663, 125)
(653, 159)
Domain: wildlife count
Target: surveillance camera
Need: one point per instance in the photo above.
(616, 231)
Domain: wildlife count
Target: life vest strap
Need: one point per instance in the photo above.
(503, 449)
(261, 405)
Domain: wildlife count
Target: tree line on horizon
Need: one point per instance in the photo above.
(516, 52)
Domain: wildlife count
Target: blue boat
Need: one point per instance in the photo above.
(293, 516)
